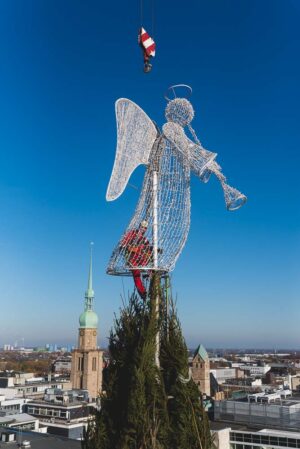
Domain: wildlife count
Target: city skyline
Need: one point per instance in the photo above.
(237, 279)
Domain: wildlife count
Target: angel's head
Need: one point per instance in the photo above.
(180, 111)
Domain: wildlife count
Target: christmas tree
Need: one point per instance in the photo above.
(145, 406)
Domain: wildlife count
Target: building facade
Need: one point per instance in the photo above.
(200, 370)
(86, 370)
(63, 365)
(241, 438)
(276, 413)
(65, 413)
(224, 374)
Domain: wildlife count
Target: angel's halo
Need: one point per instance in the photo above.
(186, 89)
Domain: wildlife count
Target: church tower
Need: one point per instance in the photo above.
(201, 370)
(86, 371)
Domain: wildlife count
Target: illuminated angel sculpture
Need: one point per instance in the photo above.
(159, 227)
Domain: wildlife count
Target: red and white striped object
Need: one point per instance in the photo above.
(147, 42)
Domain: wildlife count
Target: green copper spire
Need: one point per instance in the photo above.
(202, 352)
(89, 319)
(90, 292)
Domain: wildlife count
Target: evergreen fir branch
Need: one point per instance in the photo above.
(144, 407)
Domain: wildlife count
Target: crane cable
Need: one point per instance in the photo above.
(142, 14)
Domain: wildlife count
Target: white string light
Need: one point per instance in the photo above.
(172, 156)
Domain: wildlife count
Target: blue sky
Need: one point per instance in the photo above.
(62, 66)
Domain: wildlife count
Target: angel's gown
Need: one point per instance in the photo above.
(173, 210)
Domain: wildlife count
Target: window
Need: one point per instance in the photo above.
(256, 439)
(265, 440)
(247, 438)
(94, 364)
(80, 363)
(196, 365)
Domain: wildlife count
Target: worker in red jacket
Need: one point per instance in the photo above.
(148, 46)
(138, 253)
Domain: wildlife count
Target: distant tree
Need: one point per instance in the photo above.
(38, 367)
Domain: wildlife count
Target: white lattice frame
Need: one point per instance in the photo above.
(169, 158)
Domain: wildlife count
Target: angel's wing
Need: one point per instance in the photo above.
(198, 157)
(136, 134)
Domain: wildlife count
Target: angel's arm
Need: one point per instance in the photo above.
(202, 163)
(198, 157)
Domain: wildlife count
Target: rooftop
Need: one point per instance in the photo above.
(220, 425)
(41, 441)
(202, 352)
(282, 433)
(59, 404)
(17, 418)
